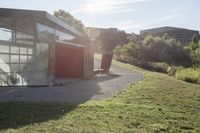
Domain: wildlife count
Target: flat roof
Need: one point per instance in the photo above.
(165, 29)
(40, 15)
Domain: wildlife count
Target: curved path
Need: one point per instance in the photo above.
(79, 91)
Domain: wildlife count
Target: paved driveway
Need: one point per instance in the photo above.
(80, 91)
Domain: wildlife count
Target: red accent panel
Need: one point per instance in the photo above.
(69, 62)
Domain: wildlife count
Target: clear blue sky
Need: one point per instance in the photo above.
(128, 15)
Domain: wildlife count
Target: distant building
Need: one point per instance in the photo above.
(180, 34)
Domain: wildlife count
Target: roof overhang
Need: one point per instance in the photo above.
(41, 16)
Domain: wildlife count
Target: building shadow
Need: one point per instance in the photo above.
(14, 115)
(21, 107)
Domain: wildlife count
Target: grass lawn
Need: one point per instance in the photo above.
(157, 104)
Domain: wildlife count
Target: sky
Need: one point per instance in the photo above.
(128, 15)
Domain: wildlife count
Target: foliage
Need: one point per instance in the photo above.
(70, 20)
(194, 50)
(191, 75)
(153, 49)
(158, 66)
(171, 70)
(110, 38)
(157, 104)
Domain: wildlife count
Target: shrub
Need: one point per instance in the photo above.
(189, 75)
(152, 49)
(171, 71)
(193, 50)
(158, 66)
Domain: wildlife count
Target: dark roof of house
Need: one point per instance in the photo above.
(40, 16)
(164, 29)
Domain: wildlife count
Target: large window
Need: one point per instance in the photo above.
(63, 37)
(17, 51)
(45, 50)
(5, 43)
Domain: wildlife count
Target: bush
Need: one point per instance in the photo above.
(171, 71)
(157, 66)
(193, 50)
(191, 75)
(152, 49)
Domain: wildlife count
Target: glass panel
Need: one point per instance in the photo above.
(45, 34)
(46, 40)
(23, 67)
(23, 58)
(4, 68)
(24, 31)
(5, 41)
(5, 34)
(5, 29)
(14, 58)
(4, 49)
(61, 36)
(23, 50)
(14, 67)
(30, 58)
(3, 79)
(30, 51)
(15, 50)
(4, 58)
(24, 38)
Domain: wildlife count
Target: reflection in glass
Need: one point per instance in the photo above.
(15, 49)
(4, 48)
(23, 58)
(30, 51)
(46, 39)
(14, 68)
(4, 58)
(61, 36)
(14, 58)
(24, 38)
(5, 34)
(23, 50)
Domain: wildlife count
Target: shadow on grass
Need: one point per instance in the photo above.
(17, 114)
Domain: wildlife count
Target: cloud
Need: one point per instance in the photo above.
(169, 17)
(130, 25)
(107, 6)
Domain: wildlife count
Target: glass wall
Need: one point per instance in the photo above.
(64, 37)
(45, 51)
(22, 51)
(5, 43)
(16, 51)
(27, 51)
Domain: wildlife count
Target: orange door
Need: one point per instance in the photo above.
(69, 61)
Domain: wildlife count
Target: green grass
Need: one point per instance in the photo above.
(159, 103)
(189, 75)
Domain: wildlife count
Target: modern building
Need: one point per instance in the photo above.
(36, 48)
(180, 34)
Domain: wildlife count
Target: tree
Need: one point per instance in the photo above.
(110, 38)
(70, 20)
(152, 49)
(194, 50)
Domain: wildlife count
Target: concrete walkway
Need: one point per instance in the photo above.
(101, 87)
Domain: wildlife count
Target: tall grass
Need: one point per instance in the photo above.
(191, 75)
